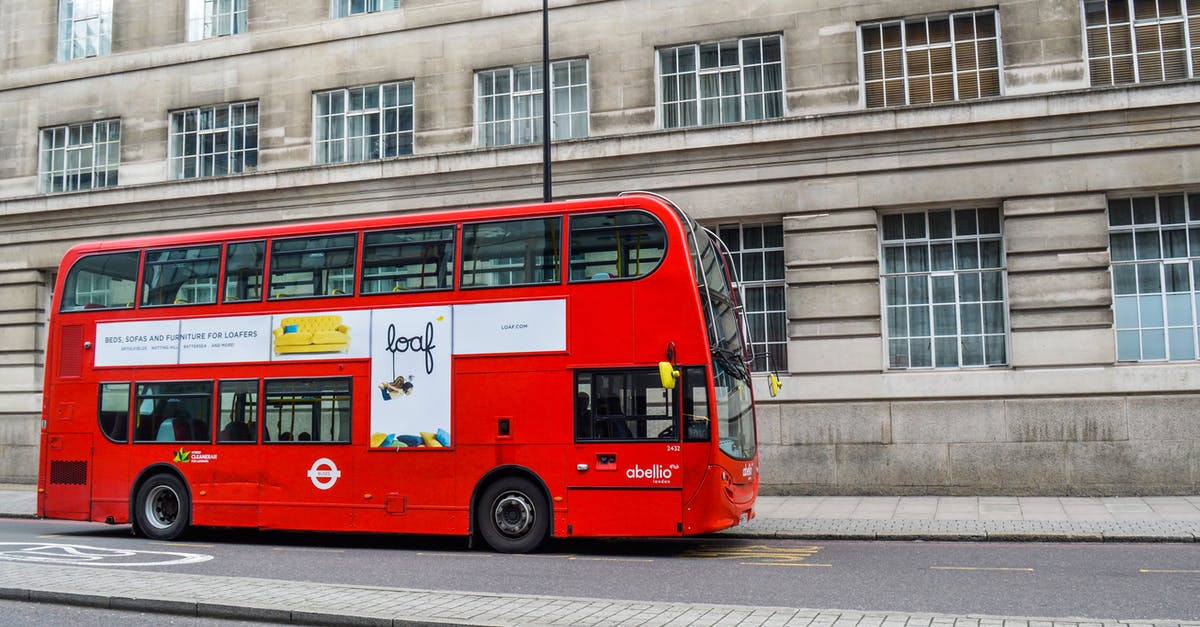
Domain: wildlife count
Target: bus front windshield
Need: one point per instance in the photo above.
(731, 375)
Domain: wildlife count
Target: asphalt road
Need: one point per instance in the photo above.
(1098, 581)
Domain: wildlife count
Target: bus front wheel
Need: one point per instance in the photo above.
(513, 515)
(162, 509)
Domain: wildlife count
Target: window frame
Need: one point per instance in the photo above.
(1105, 63)
(96, 29)
(187, 140)
(488, 129)
(906, 51)
(1161, 274)
(206, 20)
(345, 8)
(919, 250)
(332, 126)
(54, 158)
(695, 76)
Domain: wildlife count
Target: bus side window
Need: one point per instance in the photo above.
(617, 245)
(102, 282)
(307, 410)
(244, 271)
(113, 411)
(408, 260)
(237, 411)
(181, 276)
(696, 424)
(624, 405)
(173, 412)
(313, 266)
(514, 252)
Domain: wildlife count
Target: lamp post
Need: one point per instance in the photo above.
(546, 185)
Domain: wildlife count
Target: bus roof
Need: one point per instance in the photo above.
(645, 200)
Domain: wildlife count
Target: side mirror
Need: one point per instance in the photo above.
(668, 374)
(774, 384)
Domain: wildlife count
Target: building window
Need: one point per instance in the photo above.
(84, 28)
(943, 275)
(757, 251)
(509, 103)
(931, 59)
(80, 156)
(1138, 41)
(346, 8)
(1154, 244)
(214, 141)
(721, 82)
(215, 18)
(364, 123)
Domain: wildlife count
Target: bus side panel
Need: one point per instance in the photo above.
(624, 512)
(68, 476)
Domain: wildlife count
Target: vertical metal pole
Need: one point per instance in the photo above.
(546, 185)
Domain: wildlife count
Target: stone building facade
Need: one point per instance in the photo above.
(970, 234)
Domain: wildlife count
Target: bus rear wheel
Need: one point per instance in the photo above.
(162, 509)
(513, 515)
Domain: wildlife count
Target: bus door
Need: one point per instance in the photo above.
(306, 469)
(626, 473)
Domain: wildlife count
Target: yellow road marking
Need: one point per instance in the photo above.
(983, 568)
(1170, 572)
(755, 554)
(787, 565)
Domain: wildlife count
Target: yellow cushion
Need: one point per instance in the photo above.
(430, 439)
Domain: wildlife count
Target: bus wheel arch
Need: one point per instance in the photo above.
(160, 503)
(511, 510)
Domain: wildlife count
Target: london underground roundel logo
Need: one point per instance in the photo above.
(324, 473)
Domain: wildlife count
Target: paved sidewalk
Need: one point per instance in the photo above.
(948, 518)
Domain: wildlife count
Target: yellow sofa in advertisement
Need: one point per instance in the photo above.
(311, 334)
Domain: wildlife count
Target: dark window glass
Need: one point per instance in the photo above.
(101, 282)
(173, 412)
(237, 411)
(408, 260)
(615, 245)
(624, 405)
(181, 276)
(113, 411)
(307, 410)
(244, 271)
(312, 266)
(515, 252)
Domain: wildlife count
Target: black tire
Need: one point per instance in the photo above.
(162, 509)
(513, 515)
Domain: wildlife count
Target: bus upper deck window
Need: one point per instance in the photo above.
(102, 282)
(313, 266)
(244, 271)
(618, 245)
(408, 260)
(181, 276)
(512, 252)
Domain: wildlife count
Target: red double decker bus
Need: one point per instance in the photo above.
(566, 369)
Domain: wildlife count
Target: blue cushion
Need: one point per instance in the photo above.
(443, 436)
(291, 328)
